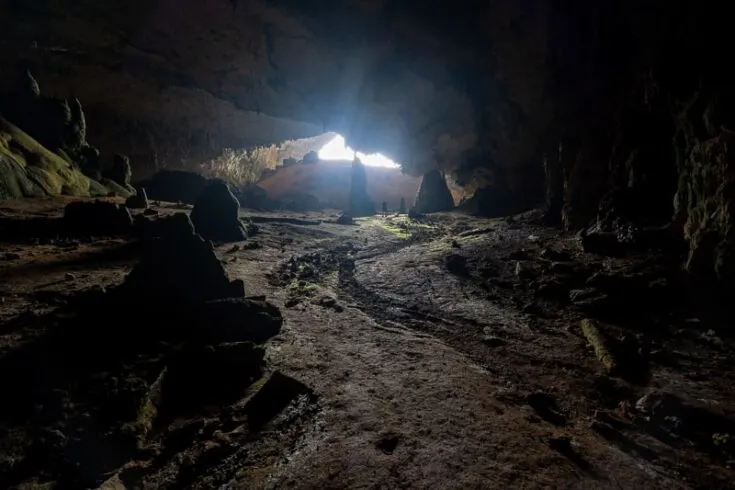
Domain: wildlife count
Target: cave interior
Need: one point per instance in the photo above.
(366, 244)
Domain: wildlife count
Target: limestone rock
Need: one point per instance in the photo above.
(97, 218)
(176, 186)
(304, 202)
(216, 214)
(213, 374)
(433, 195)
(345, 219)
(120, 172)
(178, 266)
(27, 169)
(238, 320)
(254, 197)
(311, 157)
(138, 201)
(360, 203)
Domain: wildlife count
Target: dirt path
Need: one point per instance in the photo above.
(425, 382)
(433, 360)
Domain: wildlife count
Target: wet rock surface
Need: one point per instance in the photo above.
(176, 338)
(469, 327)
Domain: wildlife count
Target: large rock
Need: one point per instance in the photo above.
(179, 266)
(304, 202)
(176, 186)
(254, 197)
(139, 200)
(97, 218)
(311, 157)
(433, 195)
(705, 205)
(27, 169)
(56, 123)
(239, 320)
(120, 172)
(360, 203)
(216, 214)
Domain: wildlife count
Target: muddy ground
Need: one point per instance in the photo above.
(446, 353)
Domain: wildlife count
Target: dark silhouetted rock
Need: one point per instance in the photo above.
(288, 162)
(239, 320)
(138, 201)
(345, 219)
(120, 171)
(214, 374)
(311, 157)
(254, 197)
(216, 214)
(97, 218)
(179, 266)
(176, 186)
(304, 202)
(360, 203)
(433, 195)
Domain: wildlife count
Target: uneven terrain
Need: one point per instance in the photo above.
(442, 353)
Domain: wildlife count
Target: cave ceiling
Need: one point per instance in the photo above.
(427, 85)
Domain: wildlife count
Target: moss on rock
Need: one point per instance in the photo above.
(27, 169)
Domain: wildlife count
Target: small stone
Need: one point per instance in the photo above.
(69, 276)
(493, 341)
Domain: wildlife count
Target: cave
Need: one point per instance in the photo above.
(366, 244)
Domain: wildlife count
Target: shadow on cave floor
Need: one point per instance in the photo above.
(444, 354)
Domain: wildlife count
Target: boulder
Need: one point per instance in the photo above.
(216, 214)
(254, 197)
(238, 320)
(360, 203)
(345, 219)
(97, 218)
(175, 186)
(288, 162)
(304, 202)
(433, 195)
(311, 157)
(120, 171)
(138, 201)
(27, 169)
(178, 266)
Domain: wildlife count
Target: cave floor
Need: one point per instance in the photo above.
(441, 354)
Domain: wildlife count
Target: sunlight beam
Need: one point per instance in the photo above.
(338, 150)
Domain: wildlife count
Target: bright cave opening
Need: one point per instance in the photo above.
(337, 149)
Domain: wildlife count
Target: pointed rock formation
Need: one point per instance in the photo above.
(433, 195)
(360, 203)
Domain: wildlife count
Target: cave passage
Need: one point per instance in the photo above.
(338, 150)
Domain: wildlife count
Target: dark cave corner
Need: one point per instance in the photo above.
(191, 296)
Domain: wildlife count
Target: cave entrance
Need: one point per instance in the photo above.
(337, 150)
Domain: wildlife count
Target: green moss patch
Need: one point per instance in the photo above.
(27, 169)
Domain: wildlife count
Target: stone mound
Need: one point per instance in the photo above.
(433, 195)
(175, 186)
(360, 202)
(345, 219)
(97, 218)
(138, 201)
(311, 157)
(178, 265)
(304, 202)
(216, 214)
